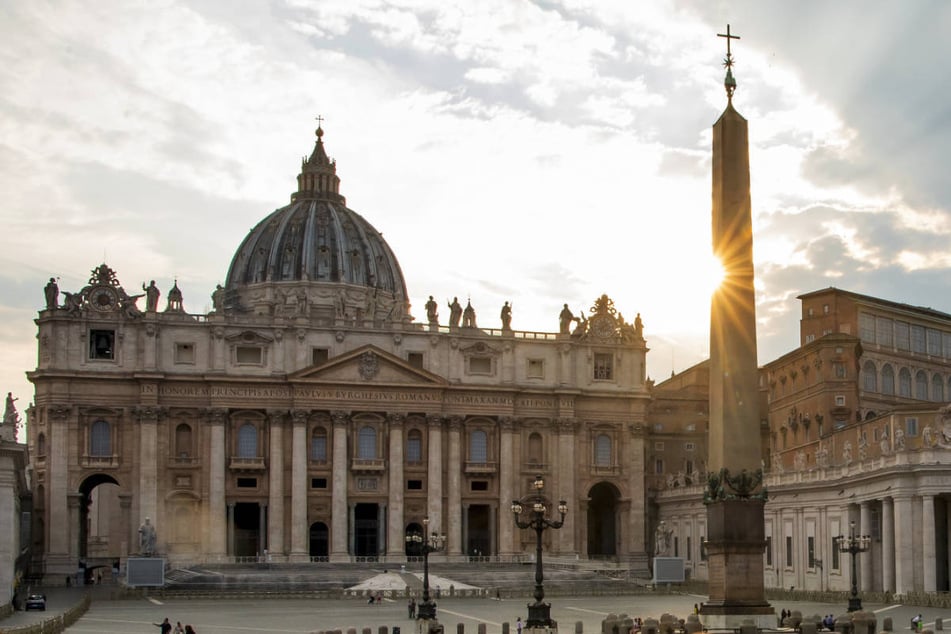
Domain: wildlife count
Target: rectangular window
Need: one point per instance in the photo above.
(688, 467)
(789, 560)
(839, 370)
(102, 344)
(835, 554)
(867, 328)
(911, 426)
(479, 485)
(415, 359)
(902, 335)
(825, 309)
(318, 448)
(414, 448)
(535, 369)
(769, 550)
(946, 345)
(810, 338)
(883, 332)
(480, 365)
(185, 353)
(603, 366)
(934, 342)
(918, 339)
(247, 483)
(839, 400)
(659, 465)
(811, 551)
(319, 355)
(676, 546)
(250, 355)
(318, 483)
(414, 485)
(689, 446)
(689, 550)
(659, 445)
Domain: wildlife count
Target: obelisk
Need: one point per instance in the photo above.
(735, 496)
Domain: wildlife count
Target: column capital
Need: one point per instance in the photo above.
(435, 421)
(340, 418)
(214, 415)
(507, 423)
(395, 419)
(566, 424)
(454, 422)
(276, 415)
(59, 412)
(148, 413)
(300, 416)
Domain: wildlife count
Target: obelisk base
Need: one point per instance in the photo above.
(735, 544)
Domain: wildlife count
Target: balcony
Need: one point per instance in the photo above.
(99, 462)
(481, 467)
(183, 462)
(377, 465)
(605, 470)
(246, 464)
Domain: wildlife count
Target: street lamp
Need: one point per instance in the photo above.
(853, 544)
(427, 543)
(539, 613)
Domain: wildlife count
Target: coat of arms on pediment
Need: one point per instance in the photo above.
(367, 364)
(248, 337)
(480, 348)
(607, 325)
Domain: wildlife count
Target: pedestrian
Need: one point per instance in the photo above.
(178, 628)
(696, 608)
(411, 608)
(165, 626)
(190, 630)
(518, 625)
(916, 622)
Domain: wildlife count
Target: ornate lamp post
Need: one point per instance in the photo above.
(853, 544)
(539, 613)
(426, 543)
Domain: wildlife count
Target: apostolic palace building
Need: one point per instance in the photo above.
(308, 416)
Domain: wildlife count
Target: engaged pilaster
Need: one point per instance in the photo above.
(275, 487)
(299, 525)
(454, 528)
(339, 513)
(434, 473)
(394, 542)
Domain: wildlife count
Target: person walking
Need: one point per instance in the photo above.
(165, 626)
(518, 625)
(178, 628)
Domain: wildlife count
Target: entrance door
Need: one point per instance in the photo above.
(479, 543)
(247, 530)
(366, 530)
(319, 542)
(602, 520)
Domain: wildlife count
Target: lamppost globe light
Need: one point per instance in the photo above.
(516, 508)
(539, 483)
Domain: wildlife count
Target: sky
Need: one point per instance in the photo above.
(536, 152)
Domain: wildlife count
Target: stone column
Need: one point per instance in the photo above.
(434, 475)
(454, 477)
(231, 529)
(57, 520)
(74, 502)
(147, 417)
(888, 546)
(636, 519)
(567, 466)
(928, 543)
(151, 341)
(300, 530)
(216, 527)
(396, 525)
(904, 546)
(339, 519)
(262, 528)
(865, 559)
(493, 531)
(125, 523)
(381, 533)
(465, 528)
(275, 486)
(507, 479)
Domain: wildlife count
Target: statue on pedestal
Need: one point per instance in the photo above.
(147, 538)
(151, 296)
(455, 312)
(51, 291)
(565, 317)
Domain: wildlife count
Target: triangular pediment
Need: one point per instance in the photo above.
(368, 364)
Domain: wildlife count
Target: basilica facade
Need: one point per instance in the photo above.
(310, 417)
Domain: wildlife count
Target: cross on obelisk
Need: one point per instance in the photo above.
(728, 37)
(729, 82)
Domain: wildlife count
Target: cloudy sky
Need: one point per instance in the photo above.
(534, 152)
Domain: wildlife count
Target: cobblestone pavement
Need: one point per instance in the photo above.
(227, 616)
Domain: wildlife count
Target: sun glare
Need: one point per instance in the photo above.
(710, 274)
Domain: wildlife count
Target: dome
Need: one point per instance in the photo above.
(315, 245)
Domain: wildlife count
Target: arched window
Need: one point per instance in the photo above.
(904, 383)
(602, 450)
(478, 447)
(366, 443)
(888, 380)
(183, 440)
(100, 439)
(248, 441)
(41, 444)
(937, 388)
(869, 377)
(414, 447)
(535, 448)
(921, 386)
(318, 445)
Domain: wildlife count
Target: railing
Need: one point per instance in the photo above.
(368, 465)
(481, 467)
(602, 470)
(184, 461)
(246, 464)
(99, 462)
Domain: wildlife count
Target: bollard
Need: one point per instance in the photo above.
(807, 627)
(649, 626)
(692, 625)
(843, 624)
(351, 630)
(748, 627)
(579, 627)
(461, 628)
(385, 630)
(887, 624)
(938, 624)
(367, 630)
(481, 629)
(863, 622)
